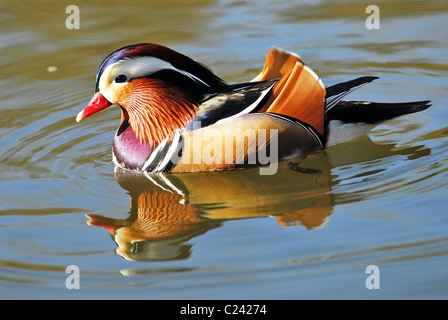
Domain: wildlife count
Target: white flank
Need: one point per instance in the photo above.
(340, 132)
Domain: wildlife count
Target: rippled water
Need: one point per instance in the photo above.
(380, 200)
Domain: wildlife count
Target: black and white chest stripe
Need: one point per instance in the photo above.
(166, 155)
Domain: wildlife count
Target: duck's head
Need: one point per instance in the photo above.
(158, 89)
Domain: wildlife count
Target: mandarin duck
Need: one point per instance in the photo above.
(178, 116)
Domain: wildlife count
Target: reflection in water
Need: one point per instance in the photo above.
(160, 220)
(167, 210)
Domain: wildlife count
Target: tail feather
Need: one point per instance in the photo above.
(373, 112)
(338, 91)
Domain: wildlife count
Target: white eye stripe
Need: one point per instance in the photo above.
(144, 66)
(193, 77)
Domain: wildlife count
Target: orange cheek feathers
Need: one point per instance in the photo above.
(156, 109)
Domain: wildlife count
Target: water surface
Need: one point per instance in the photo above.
(379, 200)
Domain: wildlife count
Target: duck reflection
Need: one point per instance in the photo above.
(167, 210)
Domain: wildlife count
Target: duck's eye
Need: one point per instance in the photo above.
(120, 78)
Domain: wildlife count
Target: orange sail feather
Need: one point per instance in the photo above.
(299, 93)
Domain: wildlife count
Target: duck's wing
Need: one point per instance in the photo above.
(238, 99)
